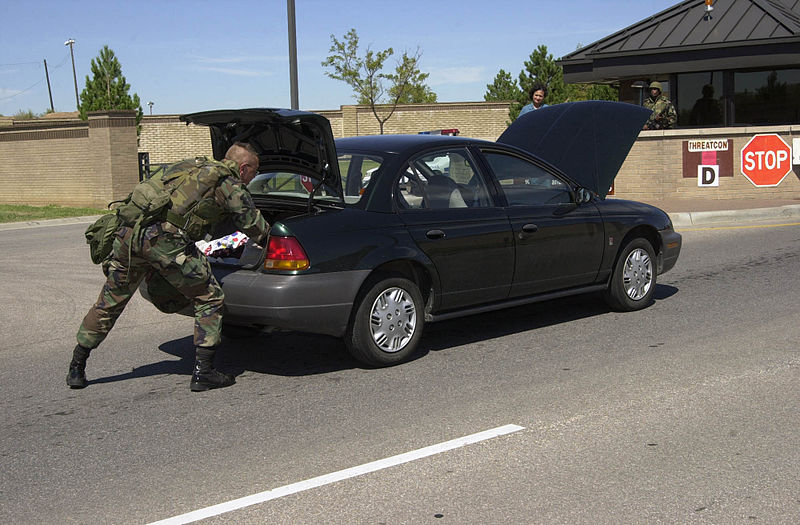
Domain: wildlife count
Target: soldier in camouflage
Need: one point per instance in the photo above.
(664, 115)
(170, 250)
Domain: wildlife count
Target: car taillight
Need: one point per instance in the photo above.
(285, 253)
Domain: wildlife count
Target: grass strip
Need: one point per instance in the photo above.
(22, 212)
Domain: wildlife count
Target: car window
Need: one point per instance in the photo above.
(357, 171)
(283, 183)
(441, 180)
(526, 184)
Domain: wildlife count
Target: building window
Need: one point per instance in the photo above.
(700, 99)
(767, 97)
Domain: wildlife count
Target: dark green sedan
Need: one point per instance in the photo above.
(374, 236)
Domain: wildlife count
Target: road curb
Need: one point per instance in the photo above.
(706, 218)
(86, 219)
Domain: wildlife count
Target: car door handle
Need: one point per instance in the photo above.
(530, 228)
(434, 234)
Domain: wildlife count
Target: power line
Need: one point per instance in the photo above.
(64, 61)
(24, 90)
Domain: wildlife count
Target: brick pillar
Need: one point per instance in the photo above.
(349, 121)
(113, 162)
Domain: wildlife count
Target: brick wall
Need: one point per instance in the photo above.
(80, 163)
(654, 167)
(69, 162)
(167, 139)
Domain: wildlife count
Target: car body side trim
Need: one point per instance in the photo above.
(500, 305)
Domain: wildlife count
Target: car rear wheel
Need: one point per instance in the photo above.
(634, 280)
(387, 324)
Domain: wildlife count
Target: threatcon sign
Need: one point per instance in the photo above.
(707, 160)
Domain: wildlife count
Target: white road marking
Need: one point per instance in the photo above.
(333, 477)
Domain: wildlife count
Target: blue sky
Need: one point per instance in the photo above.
(197, 55)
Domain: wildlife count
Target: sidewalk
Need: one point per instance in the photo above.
(705, 212)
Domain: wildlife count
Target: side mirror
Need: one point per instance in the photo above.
(583, 196)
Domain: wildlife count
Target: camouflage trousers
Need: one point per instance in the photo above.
(177, 260)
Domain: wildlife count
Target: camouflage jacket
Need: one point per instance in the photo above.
(216, 185)
(664, 115)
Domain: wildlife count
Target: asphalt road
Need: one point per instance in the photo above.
(686, 412)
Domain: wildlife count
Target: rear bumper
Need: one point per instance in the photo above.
(316, 303)
(671, 242)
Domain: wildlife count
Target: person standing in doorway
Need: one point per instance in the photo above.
(537, 93)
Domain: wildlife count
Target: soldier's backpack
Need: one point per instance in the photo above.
(146, 203)
(100, 236)
(183, 196)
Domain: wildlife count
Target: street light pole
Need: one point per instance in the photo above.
(70, 43)
(292, 54)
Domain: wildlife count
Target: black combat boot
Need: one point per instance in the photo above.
(76, 377)
(205, 377)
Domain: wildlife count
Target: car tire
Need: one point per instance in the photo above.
(387, 323)
(633, 282)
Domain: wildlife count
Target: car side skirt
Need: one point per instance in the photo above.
(500, 305)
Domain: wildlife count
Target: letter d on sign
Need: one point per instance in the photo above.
(707, 176)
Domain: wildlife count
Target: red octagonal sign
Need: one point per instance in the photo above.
(766, 160)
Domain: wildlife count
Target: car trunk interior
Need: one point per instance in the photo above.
(250, 255)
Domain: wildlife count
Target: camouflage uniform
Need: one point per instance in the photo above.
(664, 115)
(164, 248)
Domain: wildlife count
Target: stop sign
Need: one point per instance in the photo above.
(766, 160)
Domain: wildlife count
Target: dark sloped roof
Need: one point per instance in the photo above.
(735, 24)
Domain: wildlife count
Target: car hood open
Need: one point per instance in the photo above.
(587, 140)
(286, 140)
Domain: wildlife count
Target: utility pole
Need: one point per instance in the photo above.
(49, 91)
(70, 43)
(292, 54)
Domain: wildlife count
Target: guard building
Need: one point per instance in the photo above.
(735, 64)
(732, 70)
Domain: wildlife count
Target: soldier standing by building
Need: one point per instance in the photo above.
(664, 115)
(167, 248)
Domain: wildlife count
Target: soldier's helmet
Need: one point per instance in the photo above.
(656, 85)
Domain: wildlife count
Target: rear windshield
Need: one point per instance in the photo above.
(358, 170)
(286, 184)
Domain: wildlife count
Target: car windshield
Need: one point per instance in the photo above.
(286, 184)
(358, 170)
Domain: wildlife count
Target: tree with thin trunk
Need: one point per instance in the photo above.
(365, 75)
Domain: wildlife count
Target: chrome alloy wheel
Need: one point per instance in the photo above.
(637, 275)
(393, 319)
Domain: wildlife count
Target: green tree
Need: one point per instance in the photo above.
(503, 88)
(365, 75)
(576, 92)
(542, 68)
(108, 89)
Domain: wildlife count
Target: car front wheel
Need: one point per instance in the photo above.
(387, 324)
(634, 279)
